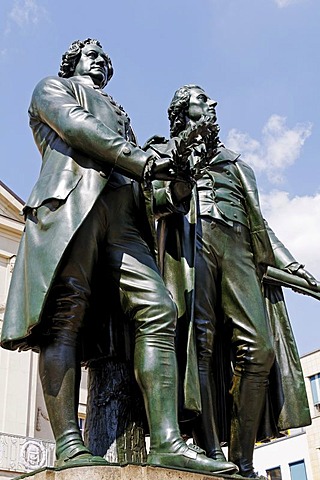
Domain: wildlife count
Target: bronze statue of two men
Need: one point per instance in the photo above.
(87, 220)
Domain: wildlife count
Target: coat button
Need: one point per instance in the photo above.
(126, 151)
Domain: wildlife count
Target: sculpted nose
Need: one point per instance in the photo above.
(101, 61)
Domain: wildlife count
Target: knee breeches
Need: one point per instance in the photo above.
(229, 291)
(111, 235)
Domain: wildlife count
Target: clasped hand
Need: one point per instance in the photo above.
(300, 271)
(181, 180)
(199, 133)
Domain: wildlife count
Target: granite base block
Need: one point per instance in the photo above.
(128, 472)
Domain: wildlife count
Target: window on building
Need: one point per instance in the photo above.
(274, 473)
(315, 388)
(298, 470)
(81, 421)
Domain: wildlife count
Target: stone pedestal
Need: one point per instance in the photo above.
(128, 472)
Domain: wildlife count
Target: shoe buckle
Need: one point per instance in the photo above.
(193, 451)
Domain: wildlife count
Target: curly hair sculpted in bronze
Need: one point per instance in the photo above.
(71, 57)
(177, 111)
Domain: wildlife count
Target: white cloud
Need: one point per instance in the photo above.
(26, 12)
(296, 222)
(280, 146)
(286, 3)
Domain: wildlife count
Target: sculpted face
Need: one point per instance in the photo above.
(92, 62)
(201, 105)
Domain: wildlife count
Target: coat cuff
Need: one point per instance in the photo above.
(131, 162)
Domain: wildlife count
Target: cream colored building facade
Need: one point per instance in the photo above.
(26, 441)
(21, 420)
(311, 370)
(297, 456)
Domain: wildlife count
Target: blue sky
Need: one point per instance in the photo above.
(258, 58)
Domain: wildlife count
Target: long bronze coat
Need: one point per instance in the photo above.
(177, 252)
(82, 135)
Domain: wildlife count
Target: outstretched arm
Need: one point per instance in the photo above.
(297, 269)
(285, 261)
(56, 109)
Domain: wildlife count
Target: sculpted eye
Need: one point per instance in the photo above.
(202, 97)
(92, 54)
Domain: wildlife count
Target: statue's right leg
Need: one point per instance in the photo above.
(63, 317)
(59, 373)
(205, 429)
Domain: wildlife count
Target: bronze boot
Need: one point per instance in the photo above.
(205, 430)
(60, 377)
(249, 396)
(156, 373)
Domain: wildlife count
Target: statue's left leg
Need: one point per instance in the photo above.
(244, 308)
(249, 395)
(145, 298)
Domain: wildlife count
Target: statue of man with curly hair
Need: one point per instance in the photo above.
(85, 213)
